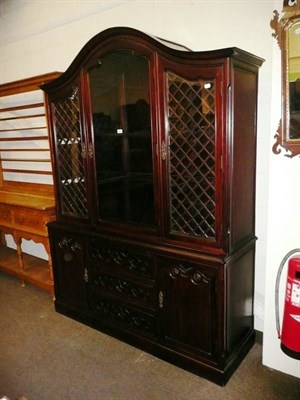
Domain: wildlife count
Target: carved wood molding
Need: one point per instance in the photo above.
(276, 26)
(284, 138)
(291, 8)
(124, 259)
(291, 5)
(191, 273)
(278, 146)
(121, 286)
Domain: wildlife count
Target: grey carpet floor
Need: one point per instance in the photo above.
(47, 356)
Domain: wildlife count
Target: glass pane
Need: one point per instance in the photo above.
(122, 134)
(191, 114)
(69, 156)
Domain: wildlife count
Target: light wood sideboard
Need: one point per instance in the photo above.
(26, 186)
(24, 216)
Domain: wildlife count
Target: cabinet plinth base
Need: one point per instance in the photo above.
(206, 370)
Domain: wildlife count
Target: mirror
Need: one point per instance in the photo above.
(287, 33)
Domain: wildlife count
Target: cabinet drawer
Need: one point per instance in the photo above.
(132, 291)
(5, 215)
(121, 258)
(120, 315)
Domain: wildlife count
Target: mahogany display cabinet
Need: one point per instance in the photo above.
(154, 158)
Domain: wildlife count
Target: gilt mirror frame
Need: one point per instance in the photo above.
(288, 132)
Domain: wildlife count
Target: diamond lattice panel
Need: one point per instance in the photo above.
(70, 160)
(191, 116)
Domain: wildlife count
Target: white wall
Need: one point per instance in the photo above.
(44, 36)
(283, 230)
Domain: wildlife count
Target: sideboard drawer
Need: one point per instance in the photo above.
(5, 215)
(31, 220)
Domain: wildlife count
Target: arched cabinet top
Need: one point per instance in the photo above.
(129, 38)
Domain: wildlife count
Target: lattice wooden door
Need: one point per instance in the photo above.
(191, 151)
(71, 152)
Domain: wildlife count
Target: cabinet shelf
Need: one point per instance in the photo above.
(121, 177)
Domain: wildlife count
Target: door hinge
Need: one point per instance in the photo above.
(83, 151)
(163, 151)
(85, 276)
(161, 299)
(90, 151)
(87, 152)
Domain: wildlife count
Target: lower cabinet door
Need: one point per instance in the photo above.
(188, 306)
(70, 273)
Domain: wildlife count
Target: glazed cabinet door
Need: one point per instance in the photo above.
(71, 152)
(191, 151)
(69, 268)
(188, 305)
(123, 133)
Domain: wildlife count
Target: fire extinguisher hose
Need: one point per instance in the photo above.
(281, 266)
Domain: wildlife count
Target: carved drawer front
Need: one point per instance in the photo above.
(120, 315)
(122, 287)
(121, 258)
(5, 215)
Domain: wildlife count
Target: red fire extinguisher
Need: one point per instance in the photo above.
(290, 335)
